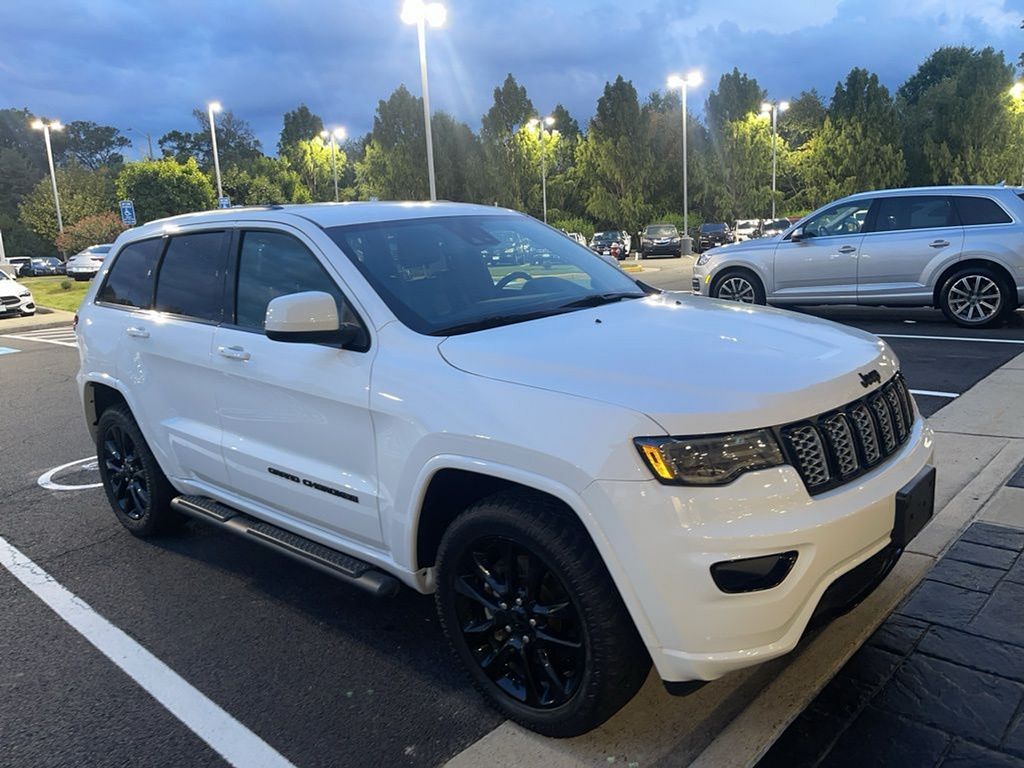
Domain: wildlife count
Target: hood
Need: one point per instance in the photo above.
(11, 288)
(692, 364)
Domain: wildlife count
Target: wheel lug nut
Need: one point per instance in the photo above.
(533, 622)
(503, 606)
(519, 601)
(508, 627)
(526, 638)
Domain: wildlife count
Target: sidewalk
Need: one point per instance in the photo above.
(43, 318)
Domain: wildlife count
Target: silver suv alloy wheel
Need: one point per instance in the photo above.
(736, 288)
(975, 299)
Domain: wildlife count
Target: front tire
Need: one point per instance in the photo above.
(738, 285)
(976, 297)
(137, 489)
(534, 616)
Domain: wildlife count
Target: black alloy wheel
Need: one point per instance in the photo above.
(520, 623)
(128, 483)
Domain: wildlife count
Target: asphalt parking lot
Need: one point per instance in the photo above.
(306, 671)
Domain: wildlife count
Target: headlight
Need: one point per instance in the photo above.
(715, 460)
(26, 294)
(704, 258)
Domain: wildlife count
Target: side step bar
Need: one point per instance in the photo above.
(330, 561)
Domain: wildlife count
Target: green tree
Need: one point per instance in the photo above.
(90, 230)
(960, 128)
(458, 159)
(394, 165)
(299, 125)
(165, 187)
(83, 192)
(616, 160)
(509, 174)
(848, 156)
(736, 97)
(803, 119)
(93, 146)
(236, 142)
(267, 181)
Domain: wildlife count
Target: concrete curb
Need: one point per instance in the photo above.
(44, 318)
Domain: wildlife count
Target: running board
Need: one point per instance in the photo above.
(330, 561)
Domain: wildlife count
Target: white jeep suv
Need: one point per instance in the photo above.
(590, 474)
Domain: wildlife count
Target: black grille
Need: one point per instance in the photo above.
(840, 445)
(11, 300)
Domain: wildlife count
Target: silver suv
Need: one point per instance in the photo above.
(960, 249)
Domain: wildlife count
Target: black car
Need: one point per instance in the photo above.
(714, 233)
(39, 267)
(660, 240)
(610, 243)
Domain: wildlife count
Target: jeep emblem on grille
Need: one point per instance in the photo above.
(872, 377)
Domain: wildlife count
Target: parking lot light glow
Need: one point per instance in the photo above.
(53, 125)
(771, 109)
(435, 14)
(783, 106)
(214, 106)
(1017, 90)
(766, 107)
(539, 123)
(692, 79)
(334, 135)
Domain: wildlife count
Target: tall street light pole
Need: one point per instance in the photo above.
(539, 124)
(421, 13)
(692, 80)
(149, 140)
(39, 125)
(336, 134)
(214, 106)
(772, 109)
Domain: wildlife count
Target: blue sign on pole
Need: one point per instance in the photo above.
(223, 202)
(128, 213)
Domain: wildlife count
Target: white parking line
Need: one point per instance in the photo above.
(63, 336)
(950, 338)
(230, 739)
(933, 393)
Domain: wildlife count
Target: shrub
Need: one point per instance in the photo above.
(98, 228)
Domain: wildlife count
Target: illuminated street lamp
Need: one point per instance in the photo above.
(214, 106)
(422, 13)
(691, 80)
(772, 109)
(55, 125)
(539, 125)
(338, 134)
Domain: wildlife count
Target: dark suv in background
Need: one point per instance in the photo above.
(714, 233)
(660, 240)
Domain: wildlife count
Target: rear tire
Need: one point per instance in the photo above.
(137, 489)
(976, 297)
(534, 616)
(738, 285)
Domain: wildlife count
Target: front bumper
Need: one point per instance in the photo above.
(25, 305)
(666, 538)
(661, 249)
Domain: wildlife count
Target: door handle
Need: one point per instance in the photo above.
(233, 353)
(939, 243)
(848, 249)
(138, 333)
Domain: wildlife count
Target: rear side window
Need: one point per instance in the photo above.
(914, 212)
(130, 282)
(273, 264)
(191, 277)
(980, 210)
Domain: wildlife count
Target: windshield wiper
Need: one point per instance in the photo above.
(494, 321)
(598, 299)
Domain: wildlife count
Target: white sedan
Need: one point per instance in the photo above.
(15, 298)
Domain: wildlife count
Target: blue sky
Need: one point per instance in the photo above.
(146, 64)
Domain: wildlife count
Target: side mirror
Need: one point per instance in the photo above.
(797, 235)
(310, 317)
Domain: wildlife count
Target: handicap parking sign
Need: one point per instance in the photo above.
(223, 202)
(128, 213)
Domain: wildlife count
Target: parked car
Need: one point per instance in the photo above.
(613, 242)
(578, 237)
(747, 229)
(773, 227)
(367, 396)
(15, 298)
(660, 240)
(960, 249)
(85, 264)
(15, 264)
(40, 267)
(712, 234)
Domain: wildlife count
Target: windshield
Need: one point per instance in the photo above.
(456, 274)
(605, 237)
(662, 230)
(712, 227)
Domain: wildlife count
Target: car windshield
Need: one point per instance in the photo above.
(712, 227)
(662, 230)
(455, 274)
(605, 236)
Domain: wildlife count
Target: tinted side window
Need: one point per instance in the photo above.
(980, 210)
(130, 282)
(191, 277)
(842, 219)
(912, 212)
(273, 264)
